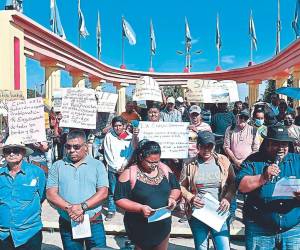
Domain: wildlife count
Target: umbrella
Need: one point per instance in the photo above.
(290, 92)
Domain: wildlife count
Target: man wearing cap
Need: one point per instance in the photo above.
(196, 125)
(22, 188)
(180, 106)
(170, 114)
(271, 221)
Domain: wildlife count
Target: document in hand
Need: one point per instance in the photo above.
(159, 214)
(81, 230)
(286, 186)
(209, 214)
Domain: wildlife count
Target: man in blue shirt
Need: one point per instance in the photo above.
(22, 187)
(271, 221)
(76, 186)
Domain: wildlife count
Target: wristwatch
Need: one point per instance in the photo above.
(84, 206)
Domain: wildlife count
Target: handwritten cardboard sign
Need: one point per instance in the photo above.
(106, 102)
(79, 108)
(26, 119)
(8, 95)
(171, 136)
(147, 88)
(211, 91)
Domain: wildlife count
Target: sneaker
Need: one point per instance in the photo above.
(109, 216)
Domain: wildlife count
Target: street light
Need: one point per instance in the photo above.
(188, 55)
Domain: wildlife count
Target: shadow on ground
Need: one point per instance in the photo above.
(50, 247)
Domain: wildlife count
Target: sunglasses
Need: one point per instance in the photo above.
(75, 146)
(16, 151)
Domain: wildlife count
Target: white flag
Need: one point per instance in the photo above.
(152, 38)
(252, 31)
(128, 32)
(218, 35)
(98, 37)
(188, 37)
(82, 28)
(55, 23)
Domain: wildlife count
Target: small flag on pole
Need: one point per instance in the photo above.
(98, 37)
(252, 31)
(128, 32)
(218, 35)
(152, 39)
(81, 25)
(55, 23)
(188, 37)
(295, 23)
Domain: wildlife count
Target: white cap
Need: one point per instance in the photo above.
(179, 99)
(171, 100)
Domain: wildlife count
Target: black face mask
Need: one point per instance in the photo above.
(288, 122)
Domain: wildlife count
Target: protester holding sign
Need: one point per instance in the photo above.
(211, 173)
(144, 187)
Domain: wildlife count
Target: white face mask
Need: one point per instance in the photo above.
(259, 122)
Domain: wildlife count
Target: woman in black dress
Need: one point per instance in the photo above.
(142, 188)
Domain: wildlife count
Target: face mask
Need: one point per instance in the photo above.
(288, 122)
(259, 122)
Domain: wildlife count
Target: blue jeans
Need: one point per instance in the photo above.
(35, 242)
(112, 180)
(97, 239)
(201, 231)
(259, 238)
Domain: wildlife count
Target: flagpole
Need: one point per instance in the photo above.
(251, 50)
(278, 28)
(123, 44)
(78, 24)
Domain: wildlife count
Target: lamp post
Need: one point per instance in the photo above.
(188, 56)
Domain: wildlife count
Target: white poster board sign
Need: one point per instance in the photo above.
(147, 88)
(8, 95)
(79, 108)
(171, 136)
(211, 91)
(57, 99)
(106, 102)
(26, 119)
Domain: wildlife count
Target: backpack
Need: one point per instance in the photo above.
(133, 173)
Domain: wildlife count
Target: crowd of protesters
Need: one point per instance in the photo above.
(241, 152)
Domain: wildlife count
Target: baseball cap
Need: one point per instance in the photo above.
(205, 137)
(179, 99)
(171, 100)
(195, 109)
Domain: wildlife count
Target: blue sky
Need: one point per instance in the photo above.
(168, 20)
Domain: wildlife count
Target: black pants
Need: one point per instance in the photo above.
(34, 243)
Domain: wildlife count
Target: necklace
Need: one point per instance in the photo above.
(141, 176)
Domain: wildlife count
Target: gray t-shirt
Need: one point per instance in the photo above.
(208, 178)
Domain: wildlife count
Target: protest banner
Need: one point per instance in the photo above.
(171, 136)
(26, 119)
(9, 95)
(106, 102)
(57, 99)
(147, 88)
(211, 91)
(79, 108)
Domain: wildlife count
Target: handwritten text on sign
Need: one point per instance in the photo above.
(211, 91)
(171, 136)
(26, 119)
(8, 95)
(106, 102)
(147, 89)
(79, 108)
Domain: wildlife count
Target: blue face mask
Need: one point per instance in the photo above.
(259, 122)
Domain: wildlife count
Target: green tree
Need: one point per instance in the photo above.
(174, 91)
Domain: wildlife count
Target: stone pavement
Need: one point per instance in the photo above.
(116, 227)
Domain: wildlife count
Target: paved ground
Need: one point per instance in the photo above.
(181, 234)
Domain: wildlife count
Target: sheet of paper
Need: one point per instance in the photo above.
(160, 214)
(209, 213)
(286, 186)
(81, 230)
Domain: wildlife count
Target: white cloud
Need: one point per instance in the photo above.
(230, 59)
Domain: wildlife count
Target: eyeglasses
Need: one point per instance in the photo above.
(75, 146)
(8, 151)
